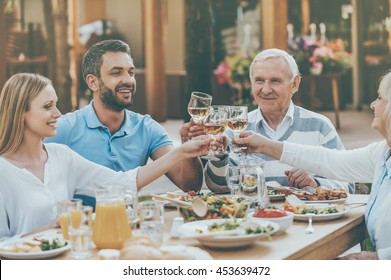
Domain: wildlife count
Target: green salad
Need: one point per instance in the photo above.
(319, 211)
(55, 244)
(231, 225)
(218, 207)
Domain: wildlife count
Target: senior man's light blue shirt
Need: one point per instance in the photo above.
(131, 146)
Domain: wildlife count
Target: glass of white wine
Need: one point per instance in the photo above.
(237, 122)
(198, 106)
(214, 125)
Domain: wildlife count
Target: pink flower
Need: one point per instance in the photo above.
(323, 52)
(244, 55)
(309, 43)
(222, 69)
(222, 72)
(317, 65)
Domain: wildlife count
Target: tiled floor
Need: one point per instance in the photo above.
(356, 128)
(355, 132)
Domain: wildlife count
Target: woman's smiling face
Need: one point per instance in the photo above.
(41, 118)
(382, 108)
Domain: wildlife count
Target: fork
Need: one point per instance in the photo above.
(309, 189)
(310, 229)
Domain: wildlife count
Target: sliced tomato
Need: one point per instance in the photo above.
(191, 193)
(288, 208)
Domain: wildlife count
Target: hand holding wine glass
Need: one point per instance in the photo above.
(190, 129)
(214, 125)
(237, 122)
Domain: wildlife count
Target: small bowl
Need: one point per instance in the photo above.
(284, 222)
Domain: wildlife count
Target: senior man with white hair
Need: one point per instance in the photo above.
(275, 78)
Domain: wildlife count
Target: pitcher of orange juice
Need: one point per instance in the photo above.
(111, 227)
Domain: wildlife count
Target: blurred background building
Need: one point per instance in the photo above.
(184, 45)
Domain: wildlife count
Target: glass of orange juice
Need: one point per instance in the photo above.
(80, 222)
(62, 210)
(87, 215)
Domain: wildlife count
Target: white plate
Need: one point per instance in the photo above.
(31, 255)
(284, 222)
(321, 217)
(335, 201)
(274, 185)
(223, 241)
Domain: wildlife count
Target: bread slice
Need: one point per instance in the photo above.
(7, 248)
(295, 203)
(22, 247)
(174, 194)
(35, 249)
(32, 243)
(340, 207)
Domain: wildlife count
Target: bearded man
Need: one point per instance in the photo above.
(106, 132)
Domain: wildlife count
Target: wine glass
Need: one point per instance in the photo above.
(214, 125)
(198, 106)
(237, 122)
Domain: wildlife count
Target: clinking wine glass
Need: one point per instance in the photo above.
(237, 122)
(214, 125)
(198, 106)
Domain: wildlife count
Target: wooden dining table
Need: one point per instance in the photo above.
(330, 239)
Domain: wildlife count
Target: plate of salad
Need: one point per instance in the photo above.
(33, 248)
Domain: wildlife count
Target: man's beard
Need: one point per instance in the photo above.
(111, 101)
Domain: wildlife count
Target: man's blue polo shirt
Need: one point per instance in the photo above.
(131, 146)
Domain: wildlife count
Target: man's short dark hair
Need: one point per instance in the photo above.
(92, 60)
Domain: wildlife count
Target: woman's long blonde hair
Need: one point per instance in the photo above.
(15, 100)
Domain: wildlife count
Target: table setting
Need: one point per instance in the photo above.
(253, 219)
(288, 244)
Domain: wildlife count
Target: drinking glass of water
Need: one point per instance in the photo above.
(233, 178)
(131, 208)
(151, 215)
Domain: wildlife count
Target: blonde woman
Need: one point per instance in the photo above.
(369, 164)
(34, 175)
